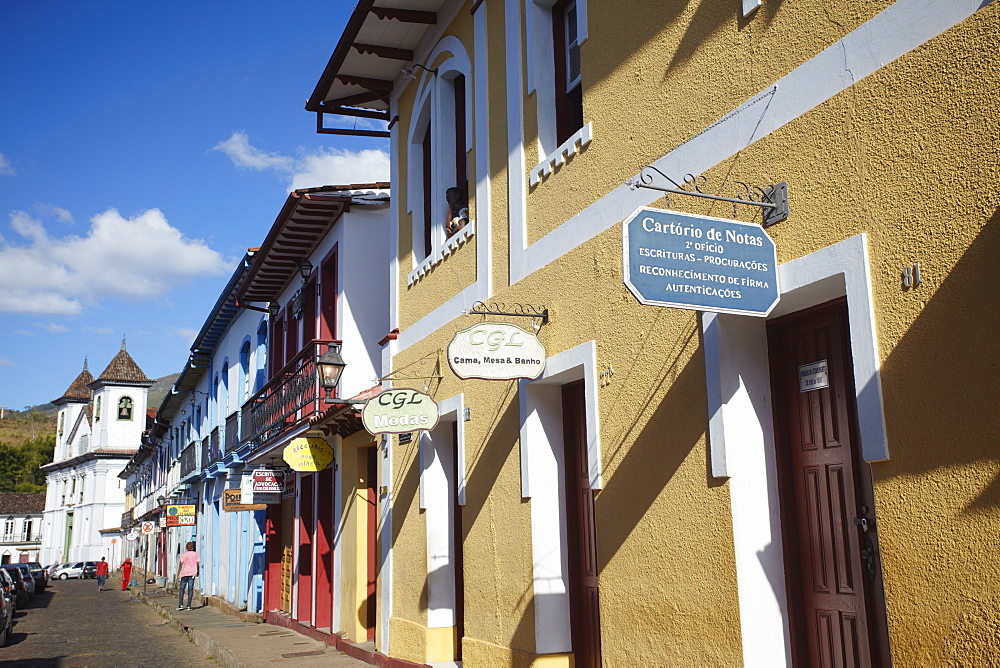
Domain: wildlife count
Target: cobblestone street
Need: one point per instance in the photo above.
(74, 624)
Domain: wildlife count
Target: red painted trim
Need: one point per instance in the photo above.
(391, 336)
(304, 552)
(272, 558)
(324, 549)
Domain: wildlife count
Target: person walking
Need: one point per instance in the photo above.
(102, 573)
(187, 569)
(126, 573)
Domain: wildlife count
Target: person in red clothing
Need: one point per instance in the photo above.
(126, 573)
(102, 573)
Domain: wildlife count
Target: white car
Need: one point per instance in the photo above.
(64, 571)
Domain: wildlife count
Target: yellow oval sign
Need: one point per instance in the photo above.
(308, 454)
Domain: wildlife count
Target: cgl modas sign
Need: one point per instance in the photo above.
(398, 411)
(701, 263)
(496, 351)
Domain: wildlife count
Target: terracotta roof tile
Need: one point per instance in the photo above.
(123, 369)
(78, 388)
(25, 503)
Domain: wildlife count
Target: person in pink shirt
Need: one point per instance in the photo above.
(186, 572)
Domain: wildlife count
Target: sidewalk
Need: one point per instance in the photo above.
(232, 642)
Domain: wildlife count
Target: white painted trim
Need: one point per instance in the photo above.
(572, 146)
(540, 403)
(739, 398)
(385, 545)
(750, 6)
(435, 492)
(441, 252)
(481, 118)
(517, 206)
(454, 409)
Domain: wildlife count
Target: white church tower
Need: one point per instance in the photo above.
(99, 428)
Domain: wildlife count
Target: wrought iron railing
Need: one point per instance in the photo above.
(206, 453)
(232, 432)
(189, 458)
(291, 396)
(9, 538)
(128, 520)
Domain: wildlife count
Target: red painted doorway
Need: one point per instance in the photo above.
(585, 617)
(832, 567)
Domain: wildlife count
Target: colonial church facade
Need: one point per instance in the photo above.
(99, 428)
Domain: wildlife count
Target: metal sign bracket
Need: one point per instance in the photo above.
(772, 200)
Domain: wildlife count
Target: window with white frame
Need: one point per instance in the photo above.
(556, 31)
(8, 529)
(26, 527)
(439, 142)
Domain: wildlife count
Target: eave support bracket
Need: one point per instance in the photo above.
(772, 200)
(518, 311)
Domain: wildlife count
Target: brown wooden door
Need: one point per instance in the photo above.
(585, 618)
(827, 501)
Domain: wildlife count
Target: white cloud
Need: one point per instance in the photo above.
(5, 166)
(309, 170)
(185, 333)
(5, 362)
(52, 327)
(99, 330)
(57, 212)
(24, 332)
(137, 258)
(238, 149)
(332, 167)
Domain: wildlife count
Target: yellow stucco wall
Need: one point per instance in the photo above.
(908, 155)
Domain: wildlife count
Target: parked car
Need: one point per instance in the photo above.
(29, 580)
(8, 589)
(8, 598)
(72, 570)
(89, 569)
(20, 586)
(40, 574)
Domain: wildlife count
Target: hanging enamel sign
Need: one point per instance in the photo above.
(399, 410)
(308, 454)
(496, 351)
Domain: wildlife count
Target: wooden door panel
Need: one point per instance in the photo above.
(819, 494)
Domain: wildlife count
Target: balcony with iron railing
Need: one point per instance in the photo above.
(20, 537)
(189, 459)
(291, 396)
(232, 432)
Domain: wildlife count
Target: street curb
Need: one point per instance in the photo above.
(198, 637)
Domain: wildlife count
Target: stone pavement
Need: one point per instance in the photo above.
(233, 642)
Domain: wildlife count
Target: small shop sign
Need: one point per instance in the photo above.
(232, 501)
(267, 480)
(814, 376)
(250, 495)
(181, 515)
(308, 454)
(496, 351)
(399, 410)
(147, 528)
(701, 263)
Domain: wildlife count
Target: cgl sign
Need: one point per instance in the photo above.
(496, 351)
(398, 411)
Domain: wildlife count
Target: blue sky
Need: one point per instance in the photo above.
(143, 148)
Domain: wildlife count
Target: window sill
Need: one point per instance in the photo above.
(561, 155)
(452, 244)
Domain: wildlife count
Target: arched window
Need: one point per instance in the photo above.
(125, 408)
(261, 357)
(8, 529)
(245, 372)
(26, 529)
(97, 410)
